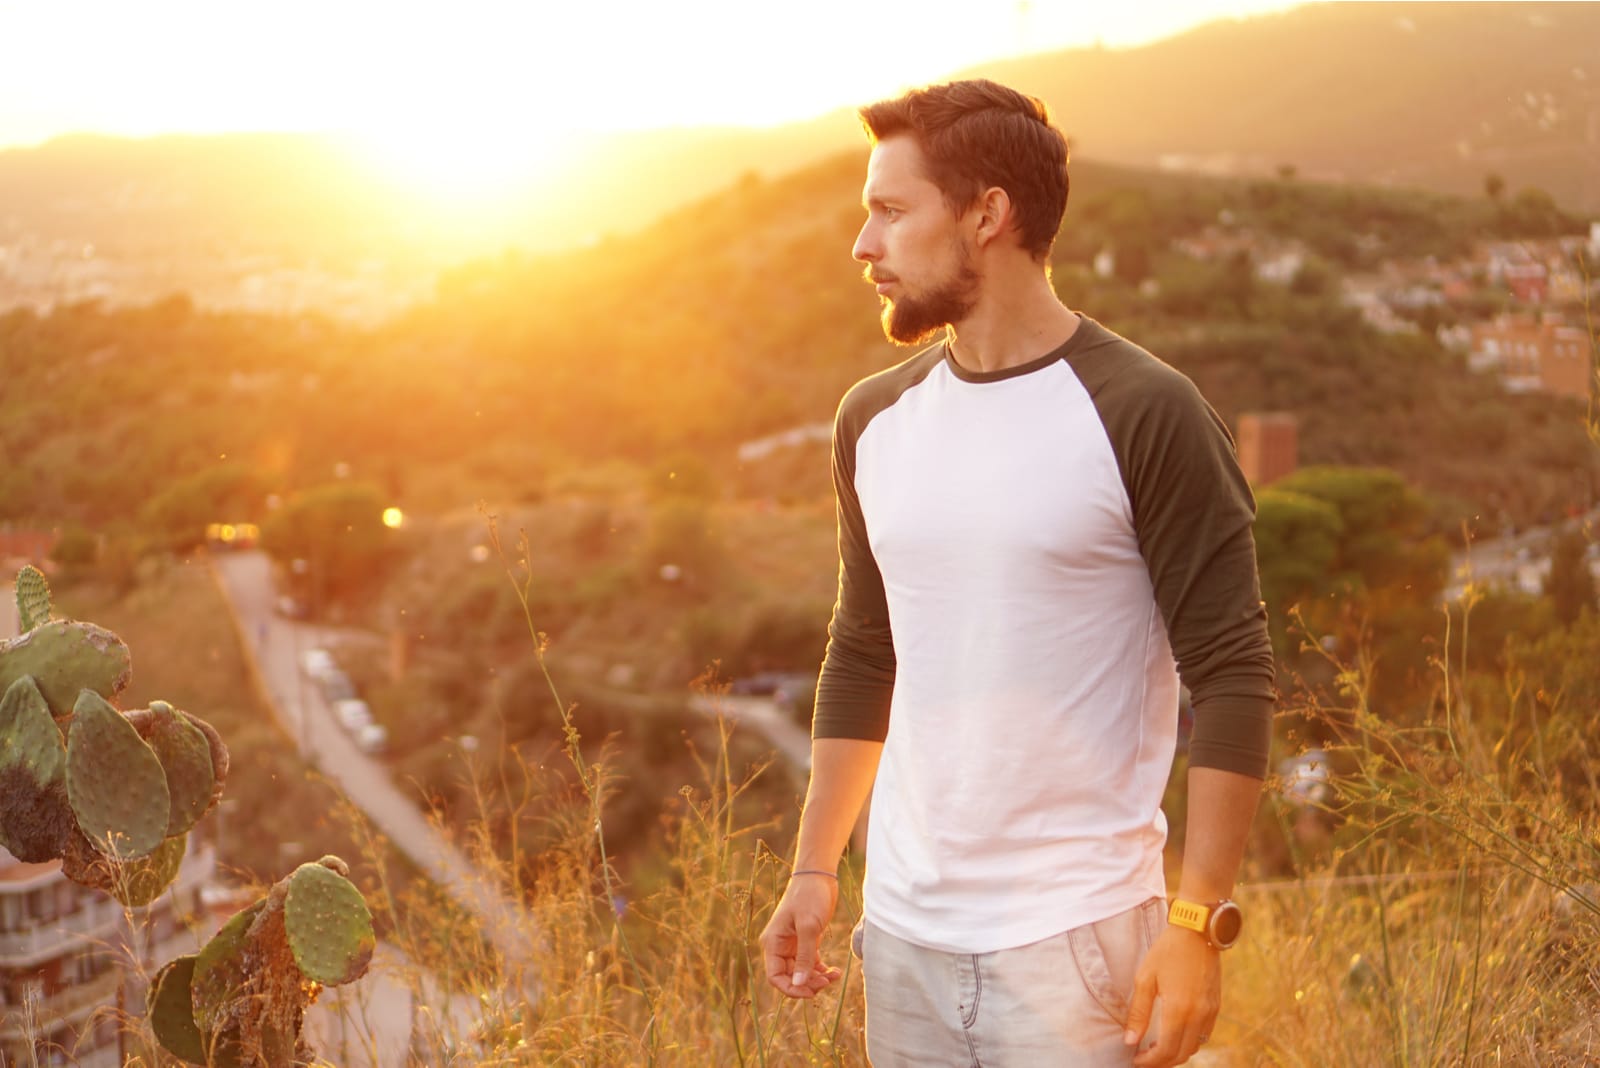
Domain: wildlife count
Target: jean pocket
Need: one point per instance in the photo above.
(1107, 954)
(858, 940)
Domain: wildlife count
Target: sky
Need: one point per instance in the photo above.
(464, 96)
(161, 66)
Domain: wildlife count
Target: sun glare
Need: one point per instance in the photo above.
(460, 165)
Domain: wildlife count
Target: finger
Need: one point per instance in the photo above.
(1176, 1037)
(777, 957)
(1144, 999)
(822, 977)
(808, 934)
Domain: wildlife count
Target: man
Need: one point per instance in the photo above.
(1041, 528)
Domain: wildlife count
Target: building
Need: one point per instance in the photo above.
(1269, 445)
(1534, 355)
(73, 960)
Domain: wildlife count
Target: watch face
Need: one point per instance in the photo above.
(1226, 922)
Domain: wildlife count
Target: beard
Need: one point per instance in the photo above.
(913, 320)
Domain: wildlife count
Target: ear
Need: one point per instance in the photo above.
(992, 214)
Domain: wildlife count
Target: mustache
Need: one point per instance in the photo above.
(876, 279)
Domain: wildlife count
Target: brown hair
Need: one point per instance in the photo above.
(977, 134)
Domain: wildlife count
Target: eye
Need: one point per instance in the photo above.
(892, 213)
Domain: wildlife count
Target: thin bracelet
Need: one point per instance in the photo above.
(813, 871)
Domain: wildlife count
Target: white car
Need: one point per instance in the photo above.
(353, 714)
(372, 738)
(317, 663)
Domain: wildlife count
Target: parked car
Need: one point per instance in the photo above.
(372, 738)
(336, 686)
(781, 686)
(317, 663)
(352, 714)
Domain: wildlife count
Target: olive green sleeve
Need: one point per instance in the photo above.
(1193, 514)
(857, 680)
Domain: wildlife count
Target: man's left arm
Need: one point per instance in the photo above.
(1181, 966)
(1194, 512)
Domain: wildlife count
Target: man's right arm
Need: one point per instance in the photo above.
(848, 726)
(842, 771)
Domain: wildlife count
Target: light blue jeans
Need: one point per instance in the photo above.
(1063, 1001)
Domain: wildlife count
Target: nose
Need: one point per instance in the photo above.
(866, 249)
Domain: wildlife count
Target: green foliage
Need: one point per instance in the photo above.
(337, 532)
(178, 514)
(1379, 518)
(1571, 585)
(683, 535)
(75, 548)
(1297, 542)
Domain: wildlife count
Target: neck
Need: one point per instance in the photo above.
(1016, 320)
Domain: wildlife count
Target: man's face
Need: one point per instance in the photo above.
(914, 247)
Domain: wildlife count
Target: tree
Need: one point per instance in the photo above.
(1297, 542)
(177, 516)
(1494, 186)
(333, 541)
(1571, 585)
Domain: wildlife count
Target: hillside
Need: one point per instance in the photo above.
(742, 316)
(1462, 91)
(1412, 94)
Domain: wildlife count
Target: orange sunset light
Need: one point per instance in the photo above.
(467, 97)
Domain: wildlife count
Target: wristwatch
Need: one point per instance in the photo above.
(1220, 923)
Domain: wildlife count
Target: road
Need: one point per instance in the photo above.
(272, 646)
(762, 714)
(1518, 561)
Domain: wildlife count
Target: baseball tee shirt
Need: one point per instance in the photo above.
(1030, 560)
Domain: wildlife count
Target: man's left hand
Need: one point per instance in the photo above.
(1186, 974)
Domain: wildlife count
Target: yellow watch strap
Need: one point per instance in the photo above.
(1188, 914)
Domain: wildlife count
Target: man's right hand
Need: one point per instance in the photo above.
(791, 944)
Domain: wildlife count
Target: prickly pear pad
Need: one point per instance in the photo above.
(136, 883)
(115, 782)
(170, 1004)
(221, 973)
(328, 925)
(64, 657)
(35, 818)
(33, 598)
(185, 756)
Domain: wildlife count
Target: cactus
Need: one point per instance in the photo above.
(144, 721)
(33, 599)
(117, 798)
(250, 986)
(221, 975)
(185, 756)
(35, 818)
(115, 782)
(64, 657)
(116, 802)
(327, 923)
(170, 1004)
(141, 881)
